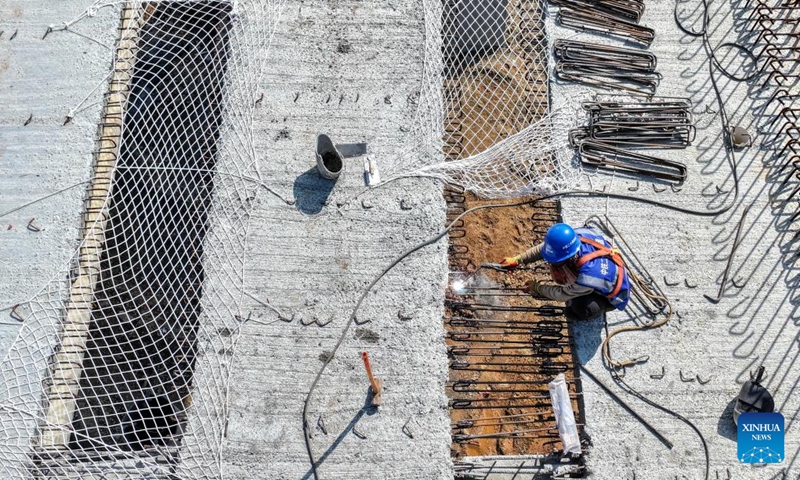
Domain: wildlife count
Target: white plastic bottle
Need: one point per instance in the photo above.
(565, 417)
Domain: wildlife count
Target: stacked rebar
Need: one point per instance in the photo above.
(613, 17)
(606, 67)
(616, 127)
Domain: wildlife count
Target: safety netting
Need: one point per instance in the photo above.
(487, 64)
(533, 161)
(121, 366)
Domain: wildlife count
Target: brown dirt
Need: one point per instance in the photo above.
(490, 235)
(496, 97)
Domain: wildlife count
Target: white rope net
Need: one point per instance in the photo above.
(121, 366)
(532, 162)
(500, 139)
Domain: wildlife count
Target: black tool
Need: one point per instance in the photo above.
(753, 397)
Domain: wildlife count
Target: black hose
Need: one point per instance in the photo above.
(630, 390)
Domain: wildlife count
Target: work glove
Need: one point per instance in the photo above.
(510, 263)
(532, 287)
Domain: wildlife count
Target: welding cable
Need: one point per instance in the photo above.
(605, 347)
(713, 61)
(631, 391)
(703, 33)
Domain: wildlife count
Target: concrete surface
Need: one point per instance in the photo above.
(351, 70)
(751, 326)
(357, 78)
(46, 79)
(41, 80)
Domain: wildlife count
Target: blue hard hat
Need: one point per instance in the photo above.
(560, 243)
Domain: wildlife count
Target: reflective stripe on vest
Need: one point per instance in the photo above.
(598, 268)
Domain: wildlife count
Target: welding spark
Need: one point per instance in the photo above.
(458, 286)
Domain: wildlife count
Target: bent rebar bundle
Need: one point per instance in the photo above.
(615, 127)
(607, 67)
(603, 155)
(616, 18)
(631, 10)
(659, 123)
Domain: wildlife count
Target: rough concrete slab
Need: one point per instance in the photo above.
(357, 69)
(351, 70)
(41, 81)
(753, 325)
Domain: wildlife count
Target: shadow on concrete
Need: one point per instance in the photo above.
(760, 316)
(311, 191)
(587, 338)
(366, 409)
(725, 426)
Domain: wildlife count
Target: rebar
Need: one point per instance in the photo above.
(462, 425)
(461, 383)
(658, 123)
(630, 10)
(646, 291)
(460, 437)
(734, 247)
(591, 20)
(548, 311)
(604, 156)
(607, 67)
(461, 404)
(522, 345)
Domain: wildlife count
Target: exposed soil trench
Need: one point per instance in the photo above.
(504, 345)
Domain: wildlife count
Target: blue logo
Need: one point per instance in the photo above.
(760, 438)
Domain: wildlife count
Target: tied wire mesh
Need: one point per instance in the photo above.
(121, 366)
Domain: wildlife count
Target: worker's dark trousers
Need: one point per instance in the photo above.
(588, 306)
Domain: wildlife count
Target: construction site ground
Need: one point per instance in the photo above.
(311, 260)
(355, 79)
(750, 326)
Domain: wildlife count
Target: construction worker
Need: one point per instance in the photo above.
(590, 275)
